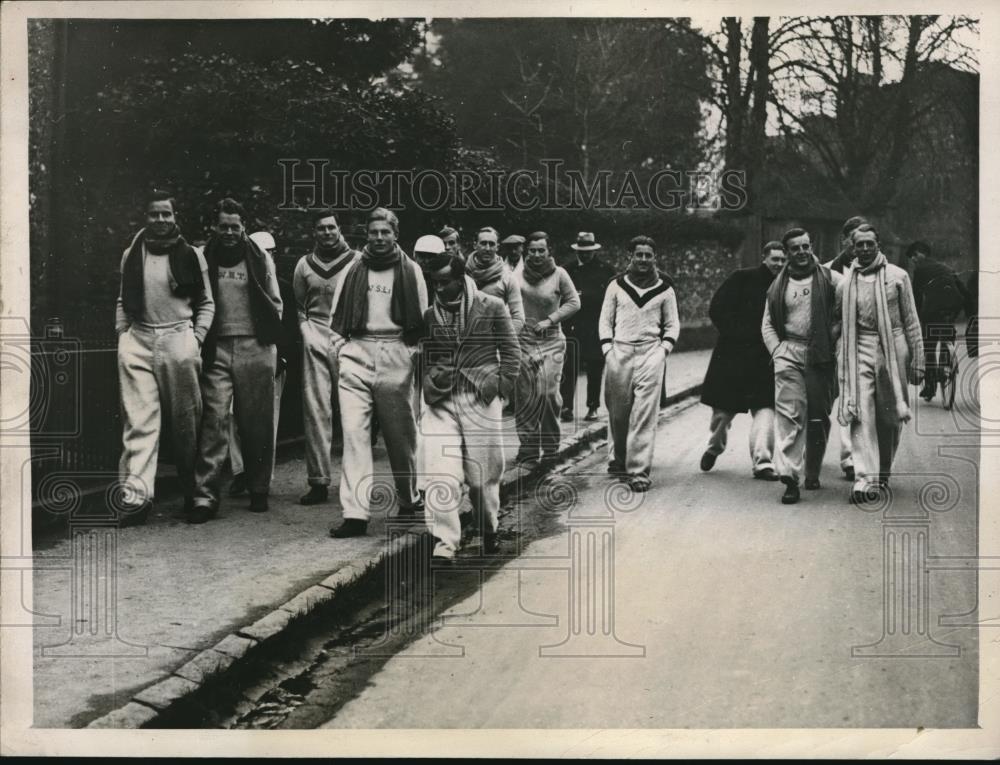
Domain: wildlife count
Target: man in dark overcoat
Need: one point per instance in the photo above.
(740, 377)
(583, 348)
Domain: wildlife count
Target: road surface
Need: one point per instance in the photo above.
(710, 603)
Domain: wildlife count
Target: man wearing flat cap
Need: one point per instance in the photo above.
(512, 252)
(583, 346)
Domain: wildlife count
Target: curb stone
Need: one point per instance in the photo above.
(150, 707)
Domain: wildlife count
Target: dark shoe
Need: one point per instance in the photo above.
(812, 484)
(707, 461)
(849, 472)
(567, 415)
(410, 512)
(869, 495)
(928, 391)
(315, 495)
(199, 514)
(258, 503)
(239, 485)
(351, 527)
(791, 495)
(467, 522)
(616, 468)
(883, 482)
(591, 415)
(767, 474)
(134, 515)
(491, 543)
(639, 483)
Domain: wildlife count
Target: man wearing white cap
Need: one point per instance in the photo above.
(512, 252)
(316, 278)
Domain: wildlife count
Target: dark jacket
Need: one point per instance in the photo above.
(739, 374)
(591, 281)
(488, 356)
(938, 292)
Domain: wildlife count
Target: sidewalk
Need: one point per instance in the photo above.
(172, 590)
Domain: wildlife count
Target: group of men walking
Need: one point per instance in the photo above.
(430, 348)
(798, 338)
(437, 348)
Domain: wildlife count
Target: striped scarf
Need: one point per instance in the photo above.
(847, 368)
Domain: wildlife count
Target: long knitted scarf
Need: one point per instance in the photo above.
(351, 313)
(266, 322)
(184, 268)
(534, 275)
(848, 372)
(484, 272)
(821, 347)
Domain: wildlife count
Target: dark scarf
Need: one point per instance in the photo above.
(484, 273)
(184, 268)
(642, 281)
(533, 276)
(351, 313)
(266, 322)
(821, 346)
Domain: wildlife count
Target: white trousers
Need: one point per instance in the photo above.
(761, 436)
(319, 387)
(875, 436)
(462, 443)
(158, 370)
(633, 376)
(377, 377)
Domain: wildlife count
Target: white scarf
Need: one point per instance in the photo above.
(847, 368)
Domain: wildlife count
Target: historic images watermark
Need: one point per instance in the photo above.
(312, 183)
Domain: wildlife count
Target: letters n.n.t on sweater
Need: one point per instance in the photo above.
(634, 315)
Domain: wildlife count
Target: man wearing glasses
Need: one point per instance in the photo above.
(800, 333)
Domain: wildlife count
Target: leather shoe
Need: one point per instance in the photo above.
(199, 514)
(409, 512)
(315, 495)
(258, 503)
(791, 495)
(639, 483)
(567, 415)
(707, 461)
(767, 474)
(849, 472)
(351, 527)
(135, 515)
(812, 484)
(591, 415)
(491, 543)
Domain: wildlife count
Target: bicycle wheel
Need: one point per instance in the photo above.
(949, 375)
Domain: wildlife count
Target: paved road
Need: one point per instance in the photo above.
(728, 608)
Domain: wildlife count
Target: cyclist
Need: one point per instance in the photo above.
(941, 297)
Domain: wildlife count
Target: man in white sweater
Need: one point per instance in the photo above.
(638, 329)
(164, 312)
(800, 331)
(315, 281)
(377, 321)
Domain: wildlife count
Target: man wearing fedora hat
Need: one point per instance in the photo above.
(583, 346)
